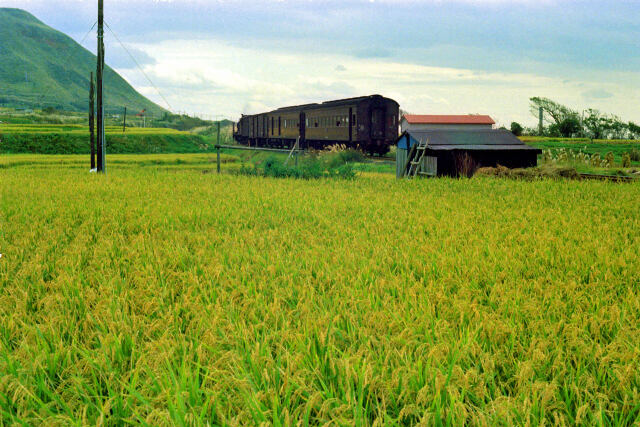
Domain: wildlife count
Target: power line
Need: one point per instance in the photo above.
(48, 86)
(139, 67)
(81, 41)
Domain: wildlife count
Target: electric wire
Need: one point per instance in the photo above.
(139, 67)
(49, 86)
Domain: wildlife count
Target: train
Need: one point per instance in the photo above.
(369, 123)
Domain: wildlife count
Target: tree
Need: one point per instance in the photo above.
(557, 112)
(634, 130)
(569, 126)
(516, 128)
(596, 123)
(617, 128)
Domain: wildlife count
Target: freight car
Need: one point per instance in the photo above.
(368, 122)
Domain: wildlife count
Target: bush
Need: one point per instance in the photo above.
(337, 159)
(626, 160)
(309, 168)
(465, 165)
(516, 128)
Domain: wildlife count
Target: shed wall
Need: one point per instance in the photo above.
(401, 160)
(429, 163)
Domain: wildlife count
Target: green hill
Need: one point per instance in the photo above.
(41, 67)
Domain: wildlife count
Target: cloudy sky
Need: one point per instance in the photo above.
(227, 57)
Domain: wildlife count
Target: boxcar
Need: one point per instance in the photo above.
(368, 122)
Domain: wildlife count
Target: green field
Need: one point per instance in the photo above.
(163, 294)
(598, 146)
(74, 139)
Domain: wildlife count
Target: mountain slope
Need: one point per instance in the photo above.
(41, 67)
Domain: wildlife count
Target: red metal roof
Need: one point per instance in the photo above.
(468, 119)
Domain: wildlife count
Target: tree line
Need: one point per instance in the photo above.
(562, 121)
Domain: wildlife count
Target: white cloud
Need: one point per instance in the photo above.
(212, 77)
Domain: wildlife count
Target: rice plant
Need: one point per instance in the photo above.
(162, 295)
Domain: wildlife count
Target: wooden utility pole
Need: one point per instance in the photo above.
(124, 122)
(92, 116)
(100, 69)
(218, 132)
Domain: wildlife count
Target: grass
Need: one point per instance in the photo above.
(165, 296)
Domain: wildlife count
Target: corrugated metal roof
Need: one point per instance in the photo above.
(468, 119)
(482, 139)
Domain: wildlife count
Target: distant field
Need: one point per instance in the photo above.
(166, 295)
(598, 146)
(74, 139)
(82, 130)
(203, 162)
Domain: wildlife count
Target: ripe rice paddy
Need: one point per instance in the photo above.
(168, 296)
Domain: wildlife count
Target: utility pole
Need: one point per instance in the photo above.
(92, 116)
(218, 132)
(124, 122)
(100, 69)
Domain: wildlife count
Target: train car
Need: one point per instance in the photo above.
(368, 122)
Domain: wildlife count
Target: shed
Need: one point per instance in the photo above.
(460, 152)
(415, 122)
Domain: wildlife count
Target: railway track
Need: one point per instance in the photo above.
(614, 178)
(383, 160)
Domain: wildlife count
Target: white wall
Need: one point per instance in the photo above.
(406, 126)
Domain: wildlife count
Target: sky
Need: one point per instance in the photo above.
(223, 58)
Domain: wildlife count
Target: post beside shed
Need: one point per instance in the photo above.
(461, 152)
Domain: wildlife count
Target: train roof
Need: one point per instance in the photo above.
(326, 104)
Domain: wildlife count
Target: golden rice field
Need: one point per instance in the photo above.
(162, 295)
